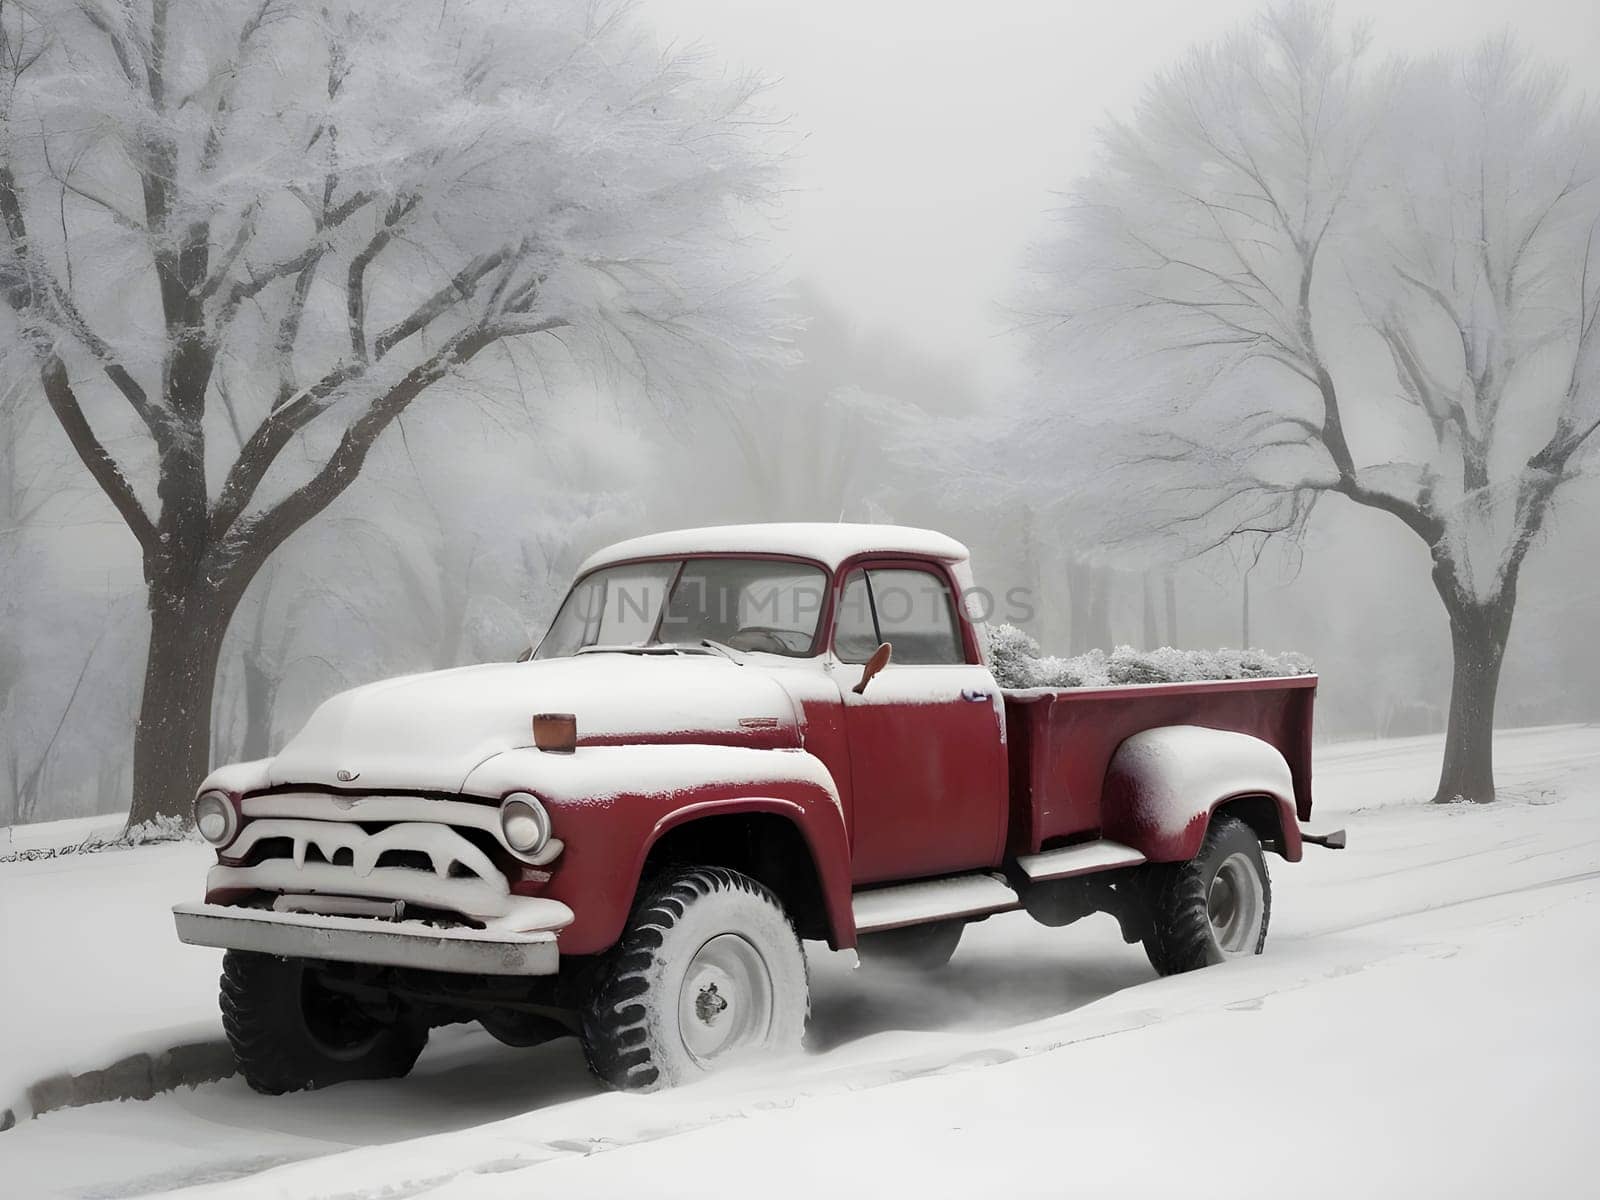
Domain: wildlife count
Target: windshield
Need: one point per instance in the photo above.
(745, 603)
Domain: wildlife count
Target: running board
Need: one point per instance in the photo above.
(1078, 860)
(932, 900)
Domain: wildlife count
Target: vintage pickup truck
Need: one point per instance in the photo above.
(730, 740)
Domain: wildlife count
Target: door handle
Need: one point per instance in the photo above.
(977, 695)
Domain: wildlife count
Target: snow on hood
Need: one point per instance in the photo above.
(429, 731)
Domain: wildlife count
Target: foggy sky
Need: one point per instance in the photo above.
(935, 131)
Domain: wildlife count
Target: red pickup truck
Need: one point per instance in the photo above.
(730, 740)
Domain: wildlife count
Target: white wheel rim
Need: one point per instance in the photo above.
(726, 1001)
(1236, 902)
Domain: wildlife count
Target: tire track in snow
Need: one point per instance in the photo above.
(1027, 1041)
(1444, 905)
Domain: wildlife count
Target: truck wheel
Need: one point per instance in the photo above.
(708, 971)
(915, 947)
(1213, 907)
(289, 1032)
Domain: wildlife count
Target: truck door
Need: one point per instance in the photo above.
(927, 759)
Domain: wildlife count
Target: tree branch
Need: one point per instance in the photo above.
(460, 288)
(224, 105)
(230, 256)
(356, 275)
(292, 415)
(251, 542)
(289, 332)
(261, 450)
(119, 46)
(105, 469)
(41, 298)
(258, 279)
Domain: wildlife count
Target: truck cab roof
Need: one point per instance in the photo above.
(829, 544)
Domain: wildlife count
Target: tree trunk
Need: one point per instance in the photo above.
(108, 782)
(1031, 573)
(1244, 631)
(260, 681)
(172, 741)
(1171, 586)
(13, 797)
(259, 687)
(1478, 634)
(1080, 590)
(1100, 632)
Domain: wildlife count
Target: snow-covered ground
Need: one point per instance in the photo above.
(1422, 1024)
(91, 974)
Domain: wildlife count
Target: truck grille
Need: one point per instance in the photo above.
(434, 855)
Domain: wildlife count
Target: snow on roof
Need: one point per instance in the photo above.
(829, 544)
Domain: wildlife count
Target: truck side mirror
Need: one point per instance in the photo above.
(879, 660)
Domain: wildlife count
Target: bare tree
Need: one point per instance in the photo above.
(816, 441)
(1295, 273)
(296, 217)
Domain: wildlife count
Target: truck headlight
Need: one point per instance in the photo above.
(525, 824)
(215, 818)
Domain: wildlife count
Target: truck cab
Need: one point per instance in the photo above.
(809, 609)
(729, 740)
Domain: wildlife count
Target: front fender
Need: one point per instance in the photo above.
(610, 804)
(1163, 785)
(238, 778)
(819, 820)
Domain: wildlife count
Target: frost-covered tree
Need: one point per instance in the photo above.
(283, 221)
(1295, 273)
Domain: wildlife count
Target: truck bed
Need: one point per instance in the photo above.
(1060, 742)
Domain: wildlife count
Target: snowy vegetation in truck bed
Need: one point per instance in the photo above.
(1018, 662)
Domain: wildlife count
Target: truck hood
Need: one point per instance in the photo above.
(427, 732)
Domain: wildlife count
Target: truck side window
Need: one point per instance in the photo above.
(910, 608)
(914, 611)
(855, 634)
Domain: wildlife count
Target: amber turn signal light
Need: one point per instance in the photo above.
(556, 732)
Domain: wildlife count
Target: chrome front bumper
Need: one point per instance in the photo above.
(368, 940)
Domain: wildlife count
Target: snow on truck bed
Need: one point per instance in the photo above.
(1421, 1025)
(1018, 662)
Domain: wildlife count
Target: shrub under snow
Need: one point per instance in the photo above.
(159, 830)
(1018, 662)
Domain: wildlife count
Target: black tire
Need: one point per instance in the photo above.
(916, 947)
(704, 946)
(290, 1033)
(1184, 933)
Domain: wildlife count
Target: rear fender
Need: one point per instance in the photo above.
(1164, 784)
(610, 805)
